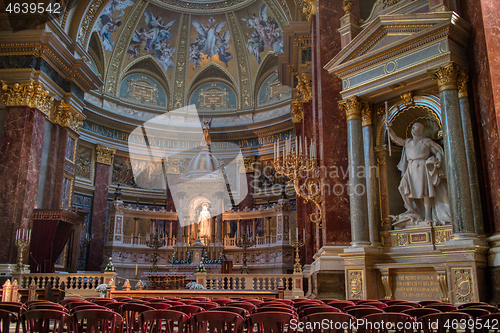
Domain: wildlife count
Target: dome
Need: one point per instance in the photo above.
(202, 164)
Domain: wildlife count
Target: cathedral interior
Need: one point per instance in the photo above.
(351, 143)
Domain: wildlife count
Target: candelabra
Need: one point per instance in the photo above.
(245, 241)
(298, 166)
(297, 244)
(23, 238)
(155, 241)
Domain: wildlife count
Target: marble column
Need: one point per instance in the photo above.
(357, 183)
(26, 106)
(104, 158)
(371, 171)
(470, 152)
(455, 153)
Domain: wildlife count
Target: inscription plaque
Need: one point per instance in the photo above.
(416, 286)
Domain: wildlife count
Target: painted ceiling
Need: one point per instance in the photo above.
(219, 55)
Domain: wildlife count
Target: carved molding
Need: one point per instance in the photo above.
(355, 284)
(249, 163)
(463, 78)
(446, 76)
(104, 155)
(354, 107)
(463, 286)
(67, 116)
(366, 114)
(296, 111)
(29, 94)
(407, 98)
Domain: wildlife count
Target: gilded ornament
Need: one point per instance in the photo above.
(308, 8)
(104, 154)
(462, 285)
(304, 89)
(366, 114)
(446, 76)
(29, 94)
(249, 163)
(356, 284)
(353, 107)
(296, 111)
(463, 78)
(389, 3)
(407, 98)
(67, 116)
(347, 5)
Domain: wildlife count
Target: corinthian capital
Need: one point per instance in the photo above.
(355, 108)
(67, 116)
(104, 154)
(29, 94)
(446, 76)
(463, 78)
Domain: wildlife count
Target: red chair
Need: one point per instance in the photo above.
(420, 312)
(122, 298)
(475, 313)
(278, 300)
(130, 312)
(115, 306)
(72, 305)
(29, 303)
(207, 305)
(201, 299)
(152, 321)
(216, 321)
(54, 306)
(489, 323)
(46, 321)
(222, 301)
(412, 304)
(271, 322)
(158, 300)
(244, 305)
(442, 308)
(149, 299)
(279, 305)
(71, 300)
(302, 303)
(174, 303)
(275, 309)
(471, 304)
(346, 309)
(16, 309)
(361, 312)
(317, 309)
(88, 307)
(490, 308)
(377, 305)
(97, 320)
(253, 301)
(357, 301)
(187, 309)
(424, 303)
(188, 301)
(326, 300)
(398, 308)
(344, 321)
(6, 317)
(104, 301)
(341, 304)
(442, 319)
(160, 306)
(400, 323)
(242, 312)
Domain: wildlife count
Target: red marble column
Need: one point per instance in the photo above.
(331, 124)
(20, 158)
(99, 208)
(484, 74)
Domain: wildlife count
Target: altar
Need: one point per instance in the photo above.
(167, 280)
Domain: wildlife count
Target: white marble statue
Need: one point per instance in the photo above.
(423, 184)
(204, 222)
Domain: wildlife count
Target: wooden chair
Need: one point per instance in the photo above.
(130, 313)
(424, 303)
(373, 323)
(442, 308)
(201, 299)
(244, 305)
(152, 321)
(377, 305)
(342, 320)
(188, 301)
(398, 308)
(346, 309)
(318, 309)
(174, 303)
(160, 306)
(341, 304)
(302, 303)
(490, 323)
(253, 301)
(6, 317)
(222, 301)
(149, 299)
(357, 301)
(53, 306)
(278, 300)
(412, 304)
(490, 308)
(104, 301)
(30, 303)
(471, 304)
(16, 309)
(326, 300)
(442, 319)
(275, 309)
(187, 309)
(88, 307)
(97, 321)
(71, 300)
(361, 312)
(72, 305)
(279, 305)
(419, 312)
(115, 306)
(46, 321)
(242, 312)
(278, 322)
(216, 321)
(207, 305)
(122, 298)
(475, 313)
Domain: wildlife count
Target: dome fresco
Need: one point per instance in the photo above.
(171, 44)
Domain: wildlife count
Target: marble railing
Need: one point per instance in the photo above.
(290, 283)
(141, 241)
(259, 241)
(82, 284)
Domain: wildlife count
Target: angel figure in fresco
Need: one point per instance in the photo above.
(109, 26)
(140, 38)
(117, 5)
(195, 55)
(157, 28)
(211, 35)
(107, 22)
(221, 43)
(163, 52)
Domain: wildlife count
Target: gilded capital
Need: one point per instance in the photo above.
(249, 163)
(446, 76)
(366, 113)
(304, 88)
(296, 111)
(353, 107)
(308, 8)
(29, 94)
(104, 154)
(67, 116)
(463, 78)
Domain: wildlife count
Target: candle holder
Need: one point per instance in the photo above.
(23, 238)
(297, 244)
(245, 241)
(297, 165)
(155, 241)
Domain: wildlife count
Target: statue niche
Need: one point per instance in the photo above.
(423, 183)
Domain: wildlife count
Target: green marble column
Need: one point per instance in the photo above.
(457, 172)
(470, 152)
(357, 182)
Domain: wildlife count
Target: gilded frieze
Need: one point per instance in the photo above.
(29, 94)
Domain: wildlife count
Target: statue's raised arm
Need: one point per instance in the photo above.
(395, 138)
